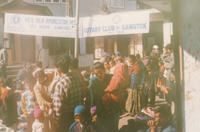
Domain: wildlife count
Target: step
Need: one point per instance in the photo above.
(14, 67)
(12, 72)
(18, 67)
(12, 76)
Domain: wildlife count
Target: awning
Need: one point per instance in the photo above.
(21, 5)
(161, 5)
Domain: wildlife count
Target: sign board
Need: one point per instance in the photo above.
(116, 23)
(40, 25)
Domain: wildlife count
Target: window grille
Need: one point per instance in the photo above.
(112, 3)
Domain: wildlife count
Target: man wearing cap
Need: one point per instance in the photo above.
(3, 60)
(105, 57)
(25, 73)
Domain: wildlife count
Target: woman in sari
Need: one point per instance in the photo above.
(137, 76)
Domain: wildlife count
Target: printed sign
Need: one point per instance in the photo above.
(117, 23)
(40, 25)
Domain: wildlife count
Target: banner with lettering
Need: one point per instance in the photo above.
(40, 25)
(116, 23)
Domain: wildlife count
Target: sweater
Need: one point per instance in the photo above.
(27, 103)
(42, 96)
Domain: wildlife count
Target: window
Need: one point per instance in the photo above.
(64, 1)
(112, 3)
(51, 1)
(38, 1)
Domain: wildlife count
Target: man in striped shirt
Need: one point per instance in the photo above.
(68, 94)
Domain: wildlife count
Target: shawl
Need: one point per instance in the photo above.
(135, 68)
(120, 77)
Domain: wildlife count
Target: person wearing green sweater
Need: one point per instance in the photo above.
(106, 122)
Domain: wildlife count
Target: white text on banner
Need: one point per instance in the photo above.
(116, 23)
(40, 25)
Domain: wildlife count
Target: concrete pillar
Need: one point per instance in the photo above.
(82, 46)
(38, 47)
(167, 32)
(1, 30)
(138, 44)
(131, 48)
(115, 44)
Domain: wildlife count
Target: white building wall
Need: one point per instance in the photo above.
(167, 32)
(190, 42)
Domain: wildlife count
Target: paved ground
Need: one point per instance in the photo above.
(126, 117)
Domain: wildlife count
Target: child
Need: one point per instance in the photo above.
(149, 87)
(28, 103)
(80, 124)
(38, 125)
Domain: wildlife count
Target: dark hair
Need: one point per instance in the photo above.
(120, 59)
(106, 62)
(132, 57)
(98, 65)
(39, 64)
(38, 73)
(74, 63)
(165, 110)
(9, 99)
(138, 56)
(112, 61)
(112, 53)
(8, 81)
(147, 53)
(169, 46)
(62, 62)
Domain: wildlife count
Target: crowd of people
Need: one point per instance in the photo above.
(70, 100)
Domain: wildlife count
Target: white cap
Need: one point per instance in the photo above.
(155, 47)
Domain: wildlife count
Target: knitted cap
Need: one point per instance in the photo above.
(118, 53)
(28, 66)
(38, 73)
(80, 110)
(105, 54)
(38, 113)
